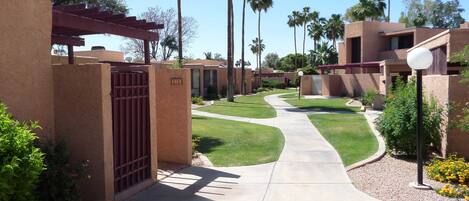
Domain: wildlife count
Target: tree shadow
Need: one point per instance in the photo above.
(207, 144)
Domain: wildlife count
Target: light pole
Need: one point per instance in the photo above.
(419, 59)
(300, 74)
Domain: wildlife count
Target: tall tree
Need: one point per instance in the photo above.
(436, 13)
(180, 34)
(366, 10)
(259, 6)
(169, 19)
(335, 28)
(306, 17)
(256, 46)
(230, 88)
(271, 60)
(116, 6)
(316, 30)
(208, 55)
(324, 54)
(293, 22)
(243, 63)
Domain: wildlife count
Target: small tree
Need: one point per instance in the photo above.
(398, 123)
(20, 161)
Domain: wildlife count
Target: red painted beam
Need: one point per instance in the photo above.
(79, 23)
(67, 40)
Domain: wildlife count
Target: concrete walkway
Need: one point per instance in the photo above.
(308, 169)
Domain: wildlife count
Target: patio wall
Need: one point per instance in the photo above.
(173, 112)
(351, 85)
(55, 59)
(446, 89)
(25, 73)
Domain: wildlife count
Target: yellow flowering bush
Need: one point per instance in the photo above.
(455, 191)
(450, 170)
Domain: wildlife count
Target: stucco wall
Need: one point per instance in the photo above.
(102, 55)
(55, 59)
(351, 85)
(83, 114)
(447, 90)
(306, 85)
(173, 113)
(25, 72)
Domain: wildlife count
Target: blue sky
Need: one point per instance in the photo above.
(211, 18)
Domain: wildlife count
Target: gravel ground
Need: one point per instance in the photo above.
(388, 179)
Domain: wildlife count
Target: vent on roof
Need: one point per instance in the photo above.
(98, 48)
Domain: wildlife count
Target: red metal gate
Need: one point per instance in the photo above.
(131, 127)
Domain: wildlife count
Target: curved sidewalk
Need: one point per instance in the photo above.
(308, 169)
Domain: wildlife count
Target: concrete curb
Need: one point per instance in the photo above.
(381, 145)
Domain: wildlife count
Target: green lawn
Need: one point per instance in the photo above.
(290, 95)
(335, 104)
(348, 133)
(253, 106)
(231, 143)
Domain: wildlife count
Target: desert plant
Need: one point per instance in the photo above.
(197, 100)
(398, 123)
(451, 170)
(195, 144)
(59, 182)
(454, 191)
(368, 97)
(20, 161)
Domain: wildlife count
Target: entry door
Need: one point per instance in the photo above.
(131, 128)
(195, 82)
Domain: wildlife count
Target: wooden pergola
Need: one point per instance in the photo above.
(71, 22)
(364, 65)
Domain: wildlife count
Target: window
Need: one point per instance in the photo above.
(356, 50)
(401, 42)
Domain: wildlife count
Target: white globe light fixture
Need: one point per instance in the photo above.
(300, 74)
(420, 58)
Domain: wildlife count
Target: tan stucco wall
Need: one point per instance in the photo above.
(306, 85)
(83, 114)
(25, 72)
(342, 53)
(464, 26)
(102, 55)
(55, 59)
(351, 85)
(173, 112)
(447, 90)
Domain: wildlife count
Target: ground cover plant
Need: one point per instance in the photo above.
(348, 133)
(398, 122)
(198, 100)
(252, 106)
(21, 162)
(335, 104)
(368, 97)
(232, 143)
(455, 172)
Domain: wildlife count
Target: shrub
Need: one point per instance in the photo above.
(451, 170)
(197, 100)
(398, 122)
(368, 97)
(262, 89)
(212, 93)
(454, 191)
(273, 84)
(60, 180)
(195, 144)
(20, 161)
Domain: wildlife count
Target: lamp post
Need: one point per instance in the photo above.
(300, 74)
(419, 59)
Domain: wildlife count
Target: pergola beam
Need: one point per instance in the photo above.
(72, 21)
(67, 40)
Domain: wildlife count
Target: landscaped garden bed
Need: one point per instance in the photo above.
(253, 106)
(232, 143)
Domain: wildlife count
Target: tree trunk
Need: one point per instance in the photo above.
(243, 70)
(179, 33)
(259, 47)
(229, 93)
(304, 44)
(296, 51)
(334, 40)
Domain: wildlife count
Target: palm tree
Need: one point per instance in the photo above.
(208, 55)
(324, 54)
(230, 88)
(255, 49)
(293, 21)
(367, 9)
(259, 6)
(243, 70)
(306, 16)
(179, 33)
(334, 28)
(316, 31)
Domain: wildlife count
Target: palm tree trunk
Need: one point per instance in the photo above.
(229, 93)
(259, 53)
(304, 44)
(180, 33)
(296, 52)
(243, 70)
